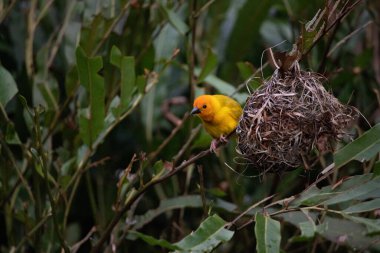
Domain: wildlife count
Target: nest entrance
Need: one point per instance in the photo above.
(288, 116)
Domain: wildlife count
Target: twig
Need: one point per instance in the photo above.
(185, 147)
(245, 84)
(232, 223)
(111, 27)
(203, 8)
(61, 33)
(191, 48)
(118, 215)
(83, 163)
(7, 10)
(43, 163)
(202, 190)
(32, 231)
(344, 40)
(165, 109)
(152, 156)
(342, 15)
(20, 174)
(327, 48)
(77, 245)
(31, 26)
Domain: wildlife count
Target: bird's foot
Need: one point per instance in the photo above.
(214, 145)
(223, 139)
(216, 142)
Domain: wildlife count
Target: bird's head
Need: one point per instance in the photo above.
(204, 107)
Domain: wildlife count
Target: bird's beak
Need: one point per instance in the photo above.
(195, 111)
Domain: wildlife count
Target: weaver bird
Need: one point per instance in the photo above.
(219, 114)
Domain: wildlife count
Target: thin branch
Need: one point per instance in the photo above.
(118, 215)
(42, 160)
(111, 27)
(20, 174)
(232, 223)
(345, 11)
(202, 190)
(191, 47)
(7, 10)
(152, 156)
(77, 245)
(61, 33)
(32, 231)
(31, 26)
(185, 147)
(204, 8)
(345, 39)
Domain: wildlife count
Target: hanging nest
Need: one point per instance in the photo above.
(288, 116)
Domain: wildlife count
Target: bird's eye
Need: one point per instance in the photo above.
(204, 106)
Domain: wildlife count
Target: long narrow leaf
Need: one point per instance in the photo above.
(155, 242)
(362, 149)
(208, 236)
(355, 192)
(91, 119)
(8, 87)
(268, 234)
(128, 80)
(364, 206)
(210, 64)
(126, 64)
(175, 20)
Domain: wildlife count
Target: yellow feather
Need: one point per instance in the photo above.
(219, 114)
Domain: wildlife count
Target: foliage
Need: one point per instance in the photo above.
(98, 152)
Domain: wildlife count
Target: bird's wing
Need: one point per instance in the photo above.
(234, 108)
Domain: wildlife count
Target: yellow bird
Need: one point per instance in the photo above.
(219, 114)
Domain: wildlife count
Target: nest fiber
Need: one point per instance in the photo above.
(288, 116)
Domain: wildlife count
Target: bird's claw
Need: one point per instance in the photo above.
(215, 143)
(223, 139)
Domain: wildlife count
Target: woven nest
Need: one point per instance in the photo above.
(288, 116)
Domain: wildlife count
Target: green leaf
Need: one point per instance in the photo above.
(354, 192)
(346, 231)
(91, 120)
(158, 168)
(128, 80)
(376, 168)
(246, 69)
(141, 84)
(308, 38)
(154, 242)
(362, 149)
(372, 225)
(207, 237)
(268, 234)
(210, 64)
(223, 87)
(175, 20)
(128, 75)
(307, 229)
(38, 165)
(364, 206)
(11, 136)
(46, 93)
(8, 87)
(93, 32)
(242, 42)
(351, 189)
(71, 81)
(167, 205)
(116, 56)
